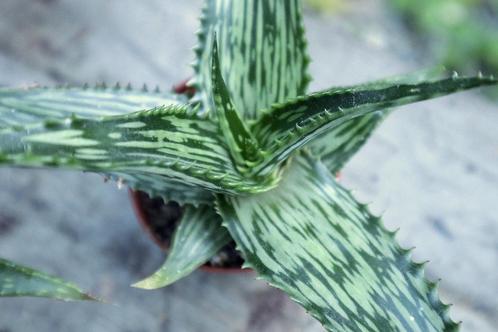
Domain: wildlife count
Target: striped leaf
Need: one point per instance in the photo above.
(198, 238)
(339, 144)
(169, 143)
(16, 280)
(286, 127)
(310, 238)
(241, 143)
(167, 189)
(20, 107)
(32, 105)
(262, 51)
(336, 146)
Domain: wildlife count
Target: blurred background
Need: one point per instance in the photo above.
(432, 168)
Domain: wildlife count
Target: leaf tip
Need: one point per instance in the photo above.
(149, 283)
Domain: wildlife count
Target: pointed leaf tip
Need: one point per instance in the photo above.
(339, 110)
(198, 237)
(243, 146)
(19, 281)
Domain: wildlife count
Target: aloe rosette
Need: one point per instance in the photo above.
(252, 158)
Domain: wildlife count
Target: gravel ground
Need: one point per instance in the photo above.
(432, 168)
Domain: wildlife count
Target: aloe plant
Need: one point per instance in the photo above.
(251, 157)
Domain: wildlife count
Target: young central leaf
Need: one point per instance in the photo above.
(263, 50)
(243, 146)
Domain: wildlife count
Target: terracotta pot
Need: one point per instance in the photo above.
(146, 226)
(182, 88)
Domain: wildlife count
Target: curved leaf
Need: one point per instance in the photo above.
(242, 144)
(310, 238)
(32, 105)
(198, 237)
(262, 51)
(16, 280)
(21, 107)
(288, 126)
(169, 143)
(336, 146)
(165, 188)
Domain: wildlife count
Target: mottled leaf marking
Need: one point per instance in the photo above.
(171, 143)
(336, 146)
(310, 238)
(243, 146)
(286, 127)
(262, 51)
(21, 108)
(33, 105)
(17, 280)
(198, 237)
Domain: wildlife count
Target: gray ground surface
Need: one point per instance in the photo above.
(432, 167)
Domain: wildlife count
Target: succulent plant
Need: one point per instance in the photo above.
(252, 158)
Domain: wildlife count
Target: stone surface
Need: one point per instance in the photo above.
(432, 167)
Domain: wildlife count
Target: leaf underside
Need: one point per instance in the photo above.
(310, 238)
(16, 280)
(198, 237)
(263, 51)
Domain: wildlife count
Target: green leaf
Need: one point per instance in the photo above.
(21, 107)
(171, 143)
(310, 238)
(336, 146)
(165, 188)
(262, 51)
(198, 237)
(288, 126)
(33, 105)
(241, 143)
(16, 280)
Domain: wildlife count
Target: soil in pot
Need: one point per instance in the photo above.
(161, 219)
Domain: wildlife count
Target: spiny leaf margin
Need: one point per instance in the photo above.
(336, 146)
(263, 52)
(286, 127)
(171, 143)
(310, 238)
(22, 106)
